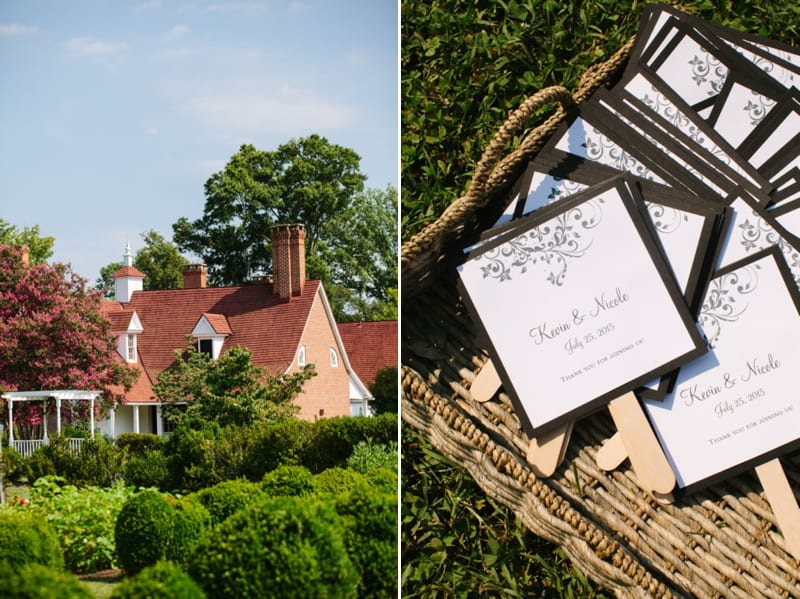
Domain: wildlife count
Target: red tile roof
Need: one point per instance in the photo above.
(370, 346)
(219, 323)
(119, 316)
(128, 271)
(256, 319)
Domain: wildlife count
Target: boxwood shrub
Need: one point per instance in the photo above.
(335, 481)
(163, 580)
(28, 539)
(37, 581)
(228, 497)
(279, 547)
(289, 480)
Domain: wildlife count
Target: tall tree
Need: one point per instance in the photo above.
(41, 248)
(160, 261)
(349, 232)
(52, 334)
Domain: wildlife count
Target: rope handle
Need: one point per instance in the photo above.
(513, 125)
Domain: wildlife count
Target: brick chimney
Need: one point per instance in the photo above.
(288, 260)
(194, 276)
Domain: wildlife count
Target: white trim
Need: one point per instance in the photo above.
(301, 355)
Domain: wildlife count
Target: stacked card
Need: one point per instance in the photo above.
(651, 246)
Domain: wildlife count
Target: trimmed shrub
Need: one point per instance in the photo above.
(147, 470)
(28, 539)
(36, 581)
(190, 523)
(383, 479)
(137, 444)
(369, 517)
(144, 529)
(14, 465)
(335, 481)
(334, 438)
(271, 445)
(289, 480)
(228, 497)
(164, 580)
(282, 546)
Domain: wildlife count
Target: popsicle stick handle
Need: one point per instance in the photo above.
(612, 453)
(647, 458)
(486, 383)
(784, 505)
(546, 453)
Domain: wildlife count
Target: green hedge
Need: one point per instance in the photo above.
(27, 538)
(164, 580)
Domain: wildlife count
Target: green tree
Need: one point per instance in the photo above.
(41, 248)
(384, 391)
(160, 261)
(351, 235)
(229, 391)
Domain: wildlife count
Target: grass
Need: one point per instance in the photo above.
(464, 65)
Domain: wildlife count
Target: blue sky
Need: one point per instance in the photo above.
(114, 114)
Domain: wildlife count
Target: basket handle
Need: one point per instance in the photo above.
(513, 125)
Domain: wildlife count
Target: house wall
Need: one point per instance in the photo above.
(327, 394)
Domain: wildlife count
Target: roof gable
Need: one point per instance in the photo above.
(211, 324)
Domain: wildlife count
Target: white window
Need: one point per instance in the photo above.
(131, 353)
(301, 356)
(334, 359)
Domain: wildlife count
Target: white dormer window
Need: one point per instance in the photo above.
(210, 333)
(301, 356)
(334, 359)
(131, 348)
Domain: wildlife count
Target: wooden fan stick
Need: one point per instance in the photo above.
(637, 438)
(784, 505)
(545, 453)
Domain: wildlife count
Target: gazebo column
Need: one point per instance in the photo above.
(44, 419)
(10, 422)
(91, 416)
(58, 415)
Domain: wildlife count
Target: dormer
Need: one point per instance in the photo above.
(210, 333)
(128, 341)
(127, 279)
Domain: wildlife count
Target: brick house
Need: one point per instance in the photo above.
(286, 322)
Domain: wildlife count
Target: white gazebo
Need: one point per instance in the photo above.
(26, 447)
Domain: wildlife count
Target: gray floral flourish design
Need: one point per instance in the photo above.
(554, 243)
(708, 70)
(723, 302)
(665, 218)
(758, 108)
(757, 234)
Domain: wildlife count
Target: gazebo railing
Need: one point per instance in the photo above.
(26, 447)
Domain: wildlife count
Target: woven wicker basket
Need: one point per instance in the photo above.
(719, 542)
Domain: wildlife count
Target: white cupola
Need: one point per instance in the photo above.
(127, 279)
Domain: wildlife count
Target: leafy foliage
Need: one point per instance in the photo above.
(40, 248)
(229, 391)
(334, 439)
(99, 462)
(83, 519)
(456, 539)
(290, 545)
(385, 392)
(52, 335)
(148, 469)
(368, 456)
